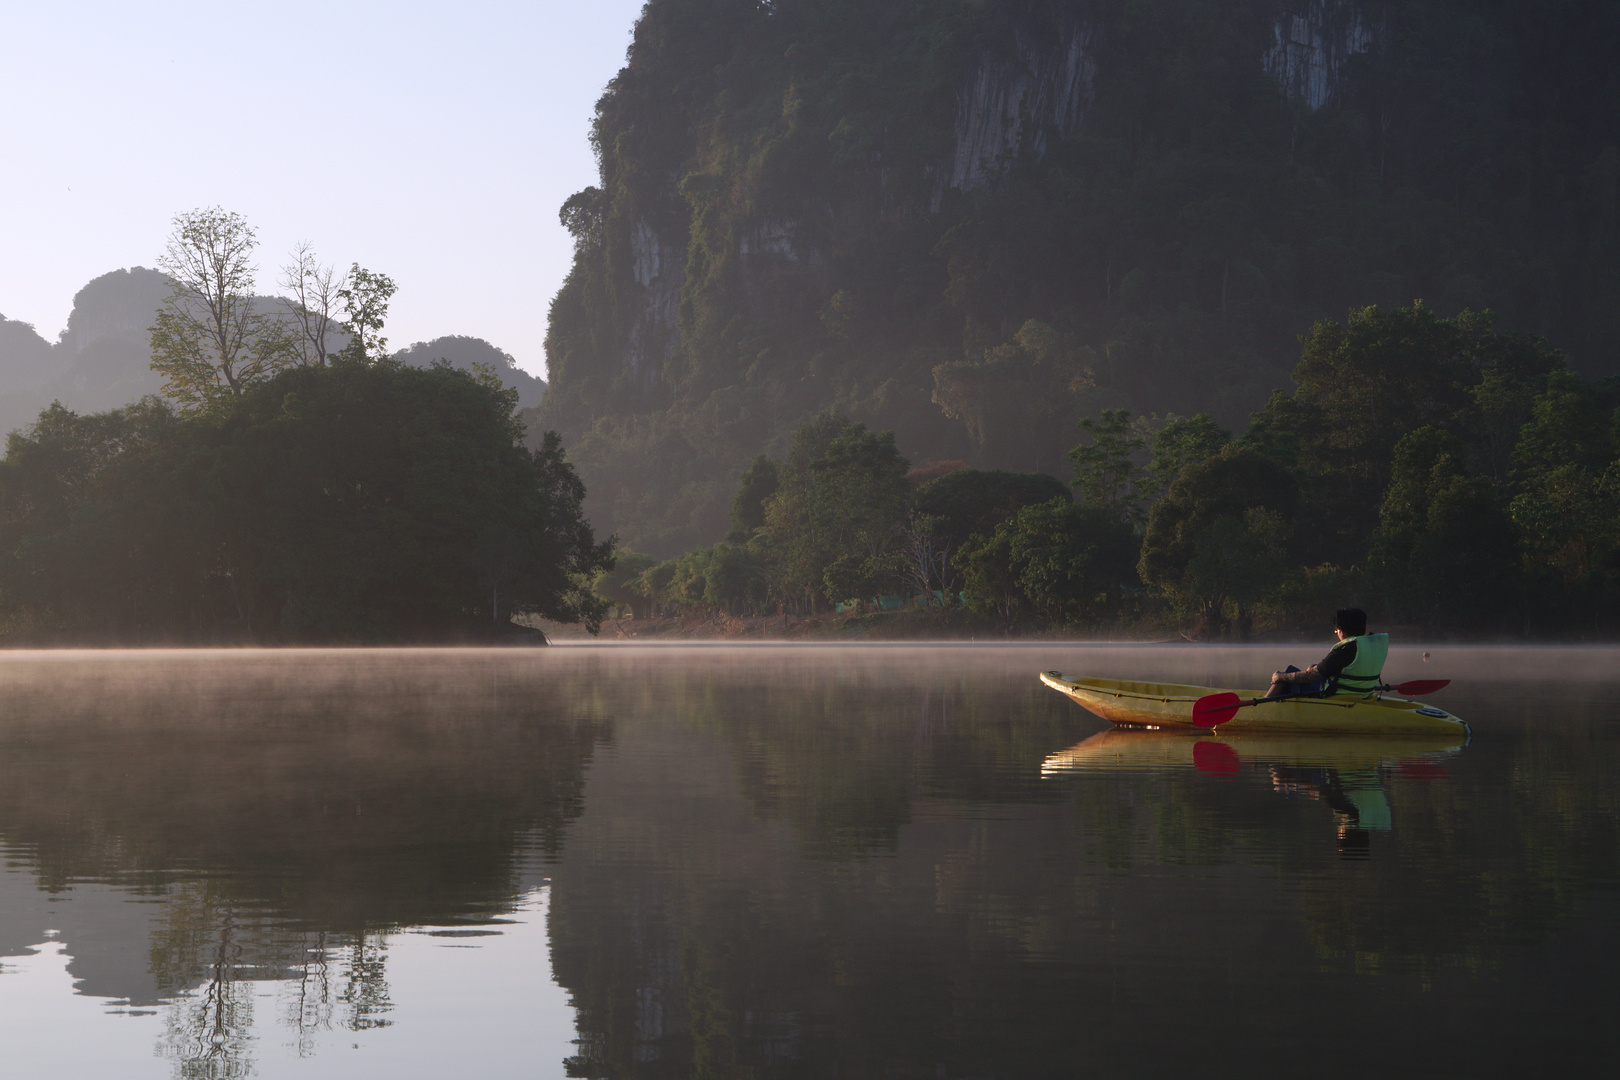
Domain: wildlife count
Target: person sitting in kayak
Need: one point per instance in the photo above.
(1355, 665)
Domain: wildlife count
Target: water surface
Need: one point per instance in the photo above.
(673, 861)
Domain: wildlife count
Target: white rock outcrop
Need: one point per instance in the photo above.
(659, 267)
(1311, 41)
(1042, 82)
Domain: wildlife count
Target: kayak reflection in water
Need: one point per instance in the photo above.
(1356, 797)
(1355, 664)
(1348, 773)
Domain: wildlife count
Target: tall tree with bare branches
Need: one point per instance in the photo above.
(312, 298)
(209, 341)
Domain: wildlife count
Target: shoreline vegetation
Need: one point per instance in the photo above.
(1435, 472)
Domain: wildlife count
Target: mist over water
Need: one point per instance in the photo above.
(791, 860)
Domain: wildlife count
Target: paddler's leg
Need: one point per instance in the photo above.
(1280, 688)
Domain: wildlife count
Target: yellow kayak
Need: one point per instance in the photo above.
(1170, 705)
(1126, 749)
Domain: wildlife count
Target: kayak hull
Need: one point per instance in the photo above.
(1170, 705)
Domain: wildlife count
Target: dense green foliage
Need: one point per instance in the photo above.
(782, 225)
(349, 502)
(1435, 471)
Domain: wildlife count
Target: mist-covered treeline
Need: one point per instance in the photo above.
(977, 223)
(1436, 471)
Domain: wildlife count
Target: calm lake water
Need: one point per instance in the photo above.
(611, 861)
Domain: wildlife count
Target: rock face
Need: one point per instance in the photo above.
(1312, 40)
(659, 267)
(25, 357)
(117, 306)
(1041, 84)
(1014, 96)
(101, 361)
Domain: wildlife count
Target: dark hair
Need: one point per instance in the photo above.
(1352, 620)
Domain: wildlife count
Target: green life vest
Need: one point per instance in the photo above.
(1365, 673)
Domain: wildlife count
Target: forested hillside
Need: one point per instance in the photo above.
(975, 222)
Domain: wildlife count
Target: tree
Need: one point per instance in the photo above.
(1060, 561)
(1569, 521)
(926, 550)
(841, 499)
(733, 579)
(968, 501)
(352, 502)
(314, 301)
(1105, 469)
(1183, 442)
(209, 342)
(1239, 558)
(1363, 385)
(620, 586)
(365, 295)
(1567, 510)
(759, 482)
(96, 538)
(1203, 541)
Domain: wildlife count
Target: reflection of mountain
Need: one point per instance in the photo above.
(846, 771)
(977, 921)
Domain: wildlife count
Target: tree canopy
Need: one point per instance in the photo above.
(349, 502)
(1433, 470)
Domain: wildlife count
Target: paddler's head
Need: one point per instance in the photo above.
(1349, 622)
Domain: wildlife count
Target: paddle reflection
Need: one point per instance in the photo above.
(1346, 774)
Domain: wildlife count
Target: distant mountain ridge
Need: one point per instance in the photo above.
(102, 359)
(463, 352)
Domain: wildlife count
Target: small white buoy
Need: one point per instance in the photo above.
(1425, 656)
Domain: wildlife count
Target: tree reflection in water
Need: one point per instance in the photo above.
(286, 817)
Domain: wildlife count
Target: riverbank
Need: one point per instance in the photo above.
(868, 626)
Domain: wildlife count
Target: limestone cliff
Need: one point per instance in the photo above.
(1311, 41)
(1018, 97)
(807, 206)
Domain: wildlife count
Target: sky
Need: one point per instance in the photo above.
(432, 142)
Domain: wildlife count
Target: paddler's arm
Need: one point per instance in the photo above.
(1337, 659)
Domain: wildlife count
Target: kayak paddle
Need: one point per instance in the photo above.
(1213, 710)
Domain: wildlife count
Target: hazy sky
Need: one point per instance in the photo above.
(432, 142)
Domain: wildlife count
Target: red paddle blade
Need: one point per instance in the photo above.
(1213, 710)
(1421, 686)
